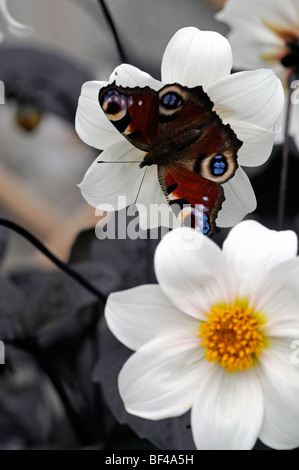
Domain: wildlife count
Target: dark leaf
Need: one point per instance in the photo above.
(53, 297)
(61, 319)
(30, 410)
(129, 262)
(12, 301)
(4, 236)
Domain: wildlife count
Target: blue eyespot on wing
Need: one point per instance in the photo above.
(218, 165)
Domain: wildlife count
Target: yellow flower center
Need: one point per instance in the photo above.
(233, 336)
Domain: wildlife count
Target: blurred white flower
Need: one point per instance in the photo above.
(215, 337)
(265, 33)
(251, 102)
(14, 26)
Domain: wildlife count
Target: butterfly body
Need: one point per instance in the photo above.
(181, 134)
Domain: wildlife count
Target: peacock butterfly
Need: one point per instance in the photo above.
(179, 132)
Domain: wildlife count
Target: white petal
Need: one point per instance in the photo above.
(280, 384)
(15, 27)
(154, 210)
(135, 316)
(192, 272)
(249, 51)
(92, 125)
(160, 380)
(242, 14)
(239, 200)
(227, 412)
(113, 186)
(249, 54)
(251, 250)
(257, 142)
(194, 57)
(294, 118)
(250, 38)
(278, 299)
(256, 97)
(126, 75)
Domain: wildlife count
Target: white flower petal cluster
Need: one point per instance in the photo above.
(215, 337)
(14, 26)
(251, 102)
(261, 32)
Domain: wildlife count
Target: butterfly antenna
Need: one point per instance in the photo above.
(141, 182)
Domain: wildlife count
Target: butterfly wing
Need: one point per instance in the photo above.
(195, 200)
(182, 134)
(133, 111)
(203, 155)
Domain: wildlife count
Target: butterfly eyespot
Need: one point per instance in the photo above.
(171, 100)
(114, 104)
(218, 165)
(195, 218)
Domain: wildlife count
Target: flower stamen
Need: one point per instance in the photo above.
(232, 336)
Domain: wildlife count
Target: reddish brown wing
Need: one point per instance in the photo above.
(181, 133)
(194, 199)
(134, 113)
(198, 154)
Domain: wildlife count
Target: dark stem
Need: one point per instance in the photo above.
(110, 21)
(285, 162)
(60, 264)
